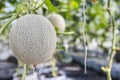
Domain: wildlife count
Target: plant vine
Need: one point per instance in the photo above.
(107, 69)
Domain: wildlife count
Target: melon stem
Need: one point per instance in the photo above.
(24, 72)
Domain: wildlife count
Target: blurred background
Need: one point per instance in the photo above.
(68, 62)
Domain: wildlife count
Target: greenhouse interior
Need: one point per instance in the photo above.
(59, 39)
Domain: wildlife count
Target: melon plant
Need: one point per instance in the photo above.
(33, 39)
(57, 20)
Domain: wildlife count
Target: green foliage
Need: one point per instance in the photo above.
(50, 6)
(97, 26)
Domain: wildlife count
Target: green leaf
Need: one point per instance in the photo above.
(74, 4)
(50, 6)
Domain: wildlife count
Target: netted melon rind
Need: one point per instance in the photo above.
(33, 39)
(57, 20)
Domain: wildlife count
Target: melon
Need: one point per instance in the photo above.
(32, 39)
(57, 20)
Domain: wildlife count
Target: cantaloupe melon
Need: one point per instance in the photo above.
(33, 39)
(57, 20)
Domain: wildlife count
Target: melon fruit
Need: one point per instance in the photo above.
(32, 39)
(57, 20)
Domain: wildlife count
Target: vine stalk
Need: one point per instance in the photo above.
(108, 68)
(54, 71)
(5, 17)
(7, 23)
(36, 8)
(24, 72)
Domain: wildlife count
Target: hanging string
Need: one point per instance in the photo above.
(84, 36)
